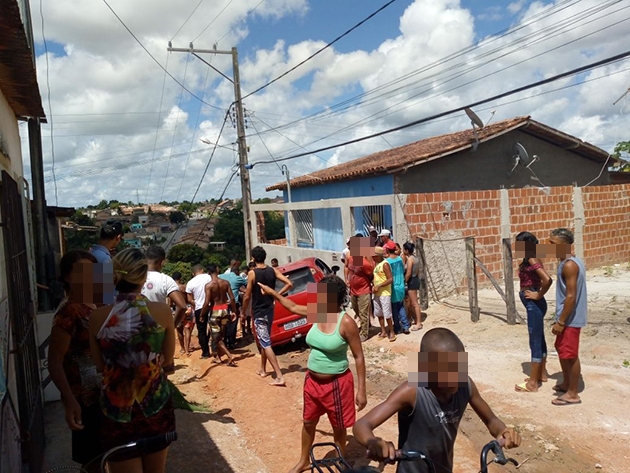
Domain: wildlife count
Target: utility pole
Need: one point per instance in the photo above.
(292, 229)
(240, 131)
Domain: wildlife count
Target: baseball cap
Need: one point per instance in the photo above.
(390, 246)
(371, 229)
(348, 241)
(112, 228)
(385, 232)
(378, 251)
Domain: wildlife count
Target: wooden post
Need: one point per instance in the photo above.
(508, 277)
(471, 273)
(422, 258)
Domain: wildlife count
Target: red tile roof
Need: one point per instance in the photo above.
(413, 154)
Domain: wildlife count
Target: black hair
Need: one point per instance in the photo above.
(251, 265)
(177, 275)
(563, 233)
(212, 268)
(410, 247)
(155, 253)
(336, 285)
(111, 230)
(359, 235)
(259, 254)
(441, 340)
(274, 259)
(530, 247)
(67, 262)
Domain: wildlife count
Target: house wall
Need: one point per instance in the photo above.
(488, 168)
(327, 224)
(599, 217)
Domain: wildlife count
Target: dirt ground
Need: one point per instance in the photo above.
(255, 427)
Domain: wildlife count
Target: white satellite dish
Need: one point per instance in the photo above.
(476, 122)
(521, 156)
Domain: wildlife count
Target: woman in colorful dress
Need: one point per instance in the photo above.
(133, 342)
(535, 282)
(329, 384)
(70, 365)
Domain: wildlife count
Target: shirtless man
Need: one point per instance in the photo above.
(218, 292)
(185, 329)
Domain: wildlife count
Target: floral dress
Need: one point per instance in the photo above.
(135, 397)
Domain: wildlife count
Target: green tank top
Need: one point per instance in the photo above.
(329, 352)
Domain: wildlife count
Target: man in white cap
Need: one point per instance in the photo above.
(345, 254)
(373, 235)
(385, 237)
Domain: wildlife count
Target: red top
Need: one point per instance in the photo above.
(528, 275)
(360, 276)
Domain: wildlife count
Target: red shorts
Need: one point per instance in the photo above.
(334, 397)
(568, 343)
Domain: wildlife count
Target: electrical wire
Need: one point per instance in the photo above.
(265, 145)
(548, 80)
(213, 20)
(187, 19)
(50, 112)
(179, 104)
(346, 33)
(156, 61)
(157, 128)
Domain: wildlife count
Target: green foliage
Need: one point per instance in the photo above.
(187, 207)
(102, 205)
(187, 253)
(274, 225)
(622, 151)
(184, 268)
(126, 228)
(79, 239)
(215, 258)
(81, 219)
(229, 227)
(177, 217)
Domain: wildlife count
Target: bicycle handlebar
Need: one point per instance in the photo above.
(143, 446)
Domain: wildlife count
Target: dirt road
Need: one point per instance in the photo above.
(256, 428)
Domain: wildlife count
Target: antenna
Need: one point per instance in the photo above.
(619, 99)
(476, 122)
(521, 153)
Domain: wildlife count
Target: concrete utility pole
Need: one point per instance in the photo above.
(240, 130)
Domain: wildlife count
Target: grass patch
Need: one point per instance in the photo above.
(180, 402)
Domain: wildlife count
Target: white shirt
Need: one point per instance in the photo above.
(158, 286)
(197, 287)
(345, 254)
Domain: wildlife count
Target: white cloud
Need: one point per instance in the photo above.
(106, 91)
(517, 6)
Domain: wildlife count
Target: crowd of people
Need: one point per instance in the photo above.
(114, 337)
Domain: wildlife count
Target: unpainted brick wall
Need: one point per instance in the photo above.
(452, 216)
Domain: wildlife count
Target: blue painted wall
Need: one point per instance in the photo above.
(327, 227)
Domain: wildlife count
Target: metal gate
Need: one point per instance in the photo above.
(22, 316)
(373, 216)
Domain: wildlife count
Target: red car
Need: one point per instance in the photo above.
(287, 327)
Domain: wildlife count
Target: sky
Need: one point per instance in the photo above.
(123, 129)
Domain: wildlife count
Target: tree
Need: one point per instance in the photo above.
(79, 239)
(187, 253)
(102, 205)
(81, 219)
(274, 225)
(126, 229)
(229, 227)
(217, 259)
(187, 207)
(177, 217)
(184, 268)
(622, 152)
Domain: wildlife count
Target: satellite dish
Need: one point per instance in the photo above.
(476, 122)
(523, 156)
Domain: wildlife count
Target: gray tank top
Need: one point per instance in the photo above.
(578, 317)
(431, 429)
(415, 268)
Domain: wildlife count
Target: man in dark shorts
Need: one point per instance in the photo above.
(218, 292)
(195, 289)
(262, 307)
(185, 329)
(571, 314)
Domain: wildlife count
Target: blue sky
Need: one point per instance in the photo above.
(99, 87)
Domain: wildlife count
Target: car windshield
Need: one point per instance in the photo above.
(300, 278)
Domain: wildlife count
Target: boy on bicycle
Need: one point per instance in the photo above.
(430, 407)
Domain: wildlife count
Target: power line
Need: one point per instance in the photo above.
(157, 129)
(557, 77)
(265, 145)
(50, 113)
(179, 103)
(156, 61)
(187, 19)
(346, 33)
(239, 21)
(213, 20)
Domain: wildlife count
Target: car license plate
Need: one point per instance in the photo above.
(294, 324)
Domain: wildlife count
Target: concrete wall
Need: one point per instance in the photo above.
(487, 168)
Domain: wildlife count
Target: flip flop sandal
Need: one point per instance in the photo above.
(522, 388)
(380, 335)
(558, 389)
(564, 402)
(392, 339)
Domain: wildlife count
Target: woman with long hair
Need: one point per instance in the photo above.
(69, 362)
(534, 283)
(412, 279)
(329, 384)
(133, 342)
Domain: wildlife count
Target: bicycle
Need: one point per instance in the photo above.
(326, 465)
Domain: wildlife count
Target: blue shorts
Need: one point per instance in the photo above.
(262, 325)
